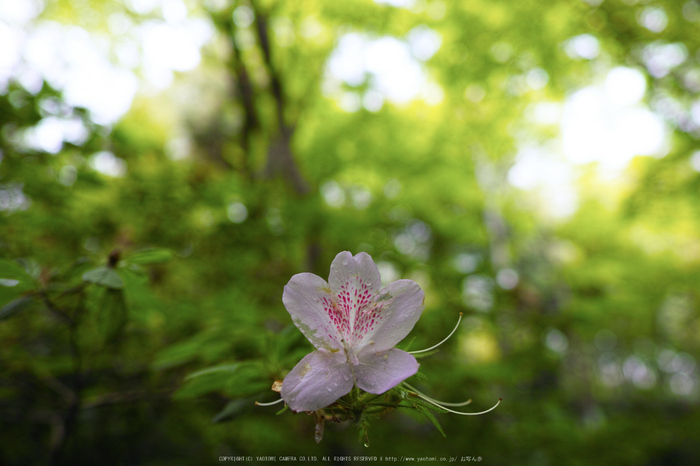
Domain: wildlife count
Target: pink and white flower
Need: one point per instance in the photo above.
(353, 326)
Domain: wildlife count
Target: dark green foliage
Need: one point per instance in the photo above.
(433, 420)
(104, 276)
(234, 409)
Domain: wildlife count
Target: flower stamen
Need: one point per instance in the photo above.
(257, 403)
(442, 403)
(420, 395)
(443, 341)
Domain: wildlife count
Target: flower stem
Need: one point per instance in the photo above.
(369, 397)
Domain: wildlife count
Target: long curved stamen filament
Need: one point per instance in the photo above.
(462, 414)
(443, 341)
(441, 403)
(257, 403)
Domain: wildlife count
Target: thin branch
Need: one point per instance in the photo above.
(263, 36)
(245, 93)
(57, 386)
(56, 310)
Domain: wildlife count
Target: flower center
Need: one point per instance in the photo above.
(353, 311)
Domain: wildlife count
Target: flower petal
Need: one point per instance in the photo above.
(317, 381)
(395, 311)
(380, 372)
(354, 281)
(308, 299)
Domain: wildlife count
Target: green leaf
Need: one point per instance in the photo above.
(175, 355)
(212, 382)
(8, 294)
(15, 307)
(421, 376)
(104, 276)
(182, 352)
(287, 339)
(134, 274)
(151, 256)
(433, 420)
(13, 271)
(233, 409)
(408, 345)
(249, 379)
(245, 380)
(221, 368)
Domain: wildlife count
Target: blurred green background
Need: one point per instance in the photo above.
(166, 166)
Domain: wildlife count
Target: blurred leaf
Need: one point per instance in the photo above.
(10, 293)
(287, 338)
(73, 270)
(212, 382)
(134, 274)
(433, 420)
(427, 353)
(250, 378)
(223, 368)
(233, 409)
(104, 276)
(407, 345)
(15, 307)
(12, 271)
(181, 352)
(244, 380)
(151, 256)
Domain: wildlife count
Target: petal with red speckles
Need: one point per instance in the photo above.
(309, 301)
(396, 310)
(354, 282)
